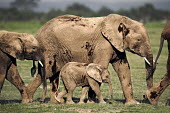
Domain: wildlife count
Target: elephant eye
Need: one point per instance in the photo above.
(135, 46)
(34, 48)
(127, 32)
(138, 40)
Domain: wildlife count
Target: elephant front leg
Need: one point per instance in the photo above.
(96, 88)
(155, 92)
(70, 94)
(14, 77)
(32, 87)
(123, 70)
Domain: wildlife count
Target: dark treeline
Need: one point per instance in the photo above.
(143, 13)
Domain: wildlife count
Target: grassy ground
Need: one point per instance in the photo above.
(10, 98)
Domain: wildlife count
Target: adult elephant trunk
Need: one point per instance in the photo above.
(149, 69)
(155, 92)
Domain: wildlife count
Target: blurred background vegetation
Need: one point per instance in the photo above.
(23, 10)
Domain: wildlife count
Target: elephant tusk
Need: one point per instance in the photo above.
(40, 63)
(155, 62)
(147, 61)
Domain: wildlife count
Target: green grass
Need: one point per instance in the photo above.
(11, 96)
(27, 27)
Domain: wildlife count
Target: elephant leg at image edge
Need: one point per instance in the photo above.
(123, 70)
(14, 77)
(32, 87)
(2, 76)
(2, 79)
(155, 92)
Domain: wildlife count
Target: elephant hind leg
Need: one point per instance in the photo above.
(70, 87)
(69, 96)
(14, 78)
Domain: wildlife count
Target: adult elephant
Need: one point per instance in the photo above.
(100, 40)
(155, 92)
(16, 46)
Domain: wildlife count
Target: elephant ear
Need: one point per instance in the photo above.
(11, 44)
(113, 30)
(94, 71)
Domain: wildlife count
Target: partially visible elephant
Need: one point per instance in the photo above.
(100, 40)
(155, 92)
(74, 74)
(16, 46)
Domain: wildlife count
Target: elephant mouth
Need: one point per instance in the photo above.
(31, 56)
(139, 54)
(105, 81)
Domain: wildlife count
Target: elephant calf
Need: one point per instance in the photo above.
(75, 74)
(16, 46)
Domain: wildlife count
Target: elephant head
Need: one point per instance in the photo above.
(126, 34)
(100, 74)
(19, 45)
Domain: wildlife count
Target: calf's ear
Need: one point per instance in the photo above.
(94, 71)
(11, 45)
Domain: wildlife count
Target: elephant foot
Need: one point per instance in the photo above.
(24, 101)
(90, 101)
(30, 95)
(54, 99)
(70, 102)
(131, 102)
(81, 102)
(59, 100)
(24, 95)
(103, 102)
(152, 97)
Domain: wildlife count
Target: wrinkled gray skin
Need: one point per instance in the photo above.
(155, 92)
(74, 74)
(16, 46)
(100, 40)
